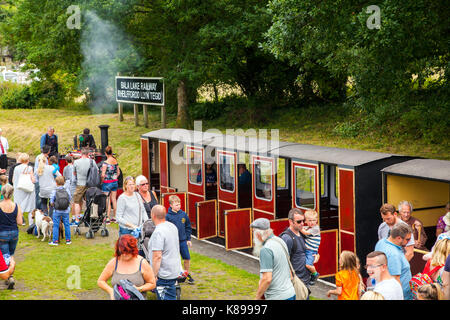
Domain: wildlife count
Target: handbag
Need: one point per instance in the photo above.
(301, 290)
(25, 183)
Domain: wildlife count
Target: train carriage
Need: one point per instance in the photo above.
(343, 186)
(425, 183)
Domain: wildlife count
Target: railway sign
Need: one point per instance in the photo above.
(140, 90)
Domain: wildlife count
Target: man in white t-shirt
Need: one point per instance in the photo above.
(390, 219)
(385, 284)
(165, 254)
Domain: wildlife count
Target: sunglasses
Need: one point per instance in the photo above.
(300, 221)
(144, 184)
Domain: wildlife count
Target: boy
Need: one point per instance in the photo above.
(60, 200)
(312, 240)
(54, 162)
(181, 220)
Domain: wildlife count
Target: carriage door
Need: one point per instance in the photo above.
(195, 167)
(263, 190)
(163, 166)
(346, 210)
(305, 196)
(227, 186)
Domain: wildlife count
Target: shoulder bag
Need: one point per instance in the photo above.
(301, 290)
(25, 183)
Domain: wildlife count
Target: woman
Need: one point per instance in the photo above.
(71, 182)
(110, 174)
(10, 217)
(435, 266)
(130, 211)
(124, 266)
(46, 184)
(25, 200)
(443, 224)
(149, 198)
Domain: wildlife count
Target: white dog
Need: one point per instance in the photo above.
(44, 224)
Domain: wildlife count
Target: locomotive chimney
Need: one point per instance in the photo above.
(104, 136)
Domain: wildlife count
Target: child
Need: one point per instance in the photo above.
(312, 240)
(60, 200)
(181, 220)
(347, 279)
(71, 182)
(3, 181)
(431, 291)
(54, 162)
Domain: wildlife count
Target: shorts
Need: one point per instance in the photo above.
(165, 289)
(80, 191)
(184, 250)
(110, 186)
(309, 257)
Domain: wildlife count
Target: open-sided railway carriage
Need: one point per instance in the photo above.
(343, 186)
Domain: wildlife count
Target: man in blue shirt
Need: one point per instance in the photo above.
(398, 265)
(50, 139)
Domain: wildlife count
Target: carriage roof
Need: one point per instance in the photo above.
(307, 152)
(422, 168)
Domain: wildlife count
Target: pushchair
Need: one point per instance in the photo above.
(147, 230)
(94, 216)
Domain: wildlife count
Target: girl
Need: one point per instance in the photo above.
(431, 291)
(347, 279)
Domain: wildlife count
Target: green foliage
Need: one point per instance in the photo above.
(13, 96)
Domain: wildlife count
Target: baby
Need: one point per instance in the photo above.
(312, 240)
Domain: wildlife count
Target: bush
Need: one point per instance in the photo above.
(14, 95)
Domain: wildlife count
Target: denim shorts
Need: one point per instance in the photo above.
(165, 289)
(110, 186)
(184, 250)
(8, 241)
(309, 257)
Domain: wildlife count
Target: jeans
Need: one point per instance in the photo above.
(57, 216)
(36, 193)
(46, 208)
(8, 241)
(165, 289)
(123, 231)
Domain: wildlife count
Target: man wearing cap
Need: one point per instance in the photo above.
(3, 150)
(275, 275)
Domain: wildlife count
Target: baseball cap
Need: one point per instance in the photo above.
(260, 223)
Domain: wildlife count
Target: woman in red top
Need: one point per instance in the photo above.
(434, 266)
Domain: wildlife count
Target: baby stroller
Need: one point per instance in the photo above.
(147, 230)
(94, 216)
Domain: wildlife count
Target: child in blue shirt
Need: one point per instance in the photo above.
(54, 162)
(60, 213)
(181, 220)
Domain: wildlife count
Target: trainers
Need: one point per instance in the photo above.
(108, 221)
(314, 278)
(53, 243)
(68, 242)
(11, 282)
(182, 277)
(190, 279)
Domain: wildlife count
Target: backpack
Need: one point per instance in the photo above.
(292, 236)
(62, 200)
(421, 279)
(93, 176)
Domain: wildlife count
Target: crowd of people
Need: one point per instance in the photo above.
(164, 261)
(388, 267)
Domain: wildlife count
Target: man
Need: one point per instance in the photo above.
(275, 274)
(405, 209)
(87, 139)
(165, 254)
(80, 171)
(245, 178)
(385, 284)
(390, 218)
(44, 155)
(3, 151)
(296, 246)
(398, 265)
(50, 139)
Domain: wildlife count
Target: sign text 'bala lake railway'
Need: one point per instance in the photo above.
(140, 90)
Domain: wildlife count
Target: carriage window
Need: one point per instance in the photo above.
(263, 179)
(323, 186)
(281, 173)
(336, 189)
(305, 188)
(227, 172)
(195, 167)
